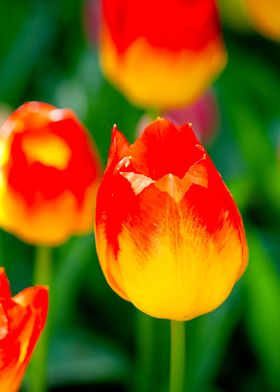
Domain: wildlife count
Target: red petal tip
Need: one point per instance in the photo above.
(119, 145)
(5, 291)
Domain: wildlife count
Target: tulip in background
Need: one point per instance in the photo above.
(49, 174)
(92, 20)
(50, 171)
(169, 236)
(161, 54)
(22, 320)
(265, 17)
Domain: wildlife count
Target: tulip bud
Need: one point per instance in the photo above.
(49, 174)
(169, 235)
(161, 54)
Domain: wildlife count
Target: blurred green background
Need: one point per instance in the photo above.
(46, 55)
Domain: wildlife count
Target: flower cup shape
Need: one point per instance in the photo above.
(161, 54)
(265, 17)
(169, 235)
(22, 320)
(49, 174)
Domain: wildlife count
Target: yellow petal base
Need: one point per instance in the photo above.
(49, 222)
(177, 284)
(158, 78)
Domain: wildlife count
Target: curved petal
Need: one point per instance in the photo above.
(118, 148)
(5, 291)
(26, 316)
(108, 223)
(165, 149)
(173, 263)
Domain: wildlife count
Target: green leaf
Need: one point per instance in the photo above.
(263, 308)
(79, 357)
(29, 45)
(73, 258)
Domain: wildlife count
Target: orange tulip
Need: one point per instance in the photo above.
(265, 16)
(49, 174)
(169, 236)
(161, 53)
(22, 320)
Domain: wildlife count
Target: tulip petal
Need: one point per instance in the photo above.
(129, 20)
(138, 181)
(24, 317)
(5, 291)
(161, 150)
(50, 151)
(119, 146)
(169, 263)
(177, 187)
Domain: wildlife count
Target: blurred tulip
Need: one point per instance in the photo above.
(161, 54)
(265, 16)
(92, 19)
(49, 174)
(169, 236)
(202, 114)
(23, 318)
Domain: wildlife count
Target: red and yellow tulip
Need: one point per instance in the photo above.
(22, 320)
(49, 173)
(169, 235)
(161, 54)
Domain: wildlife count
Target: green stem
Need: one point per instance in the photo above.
(145, 352)
(42, 276)
(177, 356)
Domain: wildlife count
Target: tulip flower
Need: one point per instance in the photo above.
(49, 174)
(169, 235)
(22, 320)
(265, 17)
(161, 54)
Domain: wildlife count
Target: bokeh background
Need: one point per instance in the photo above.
(49, 52)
